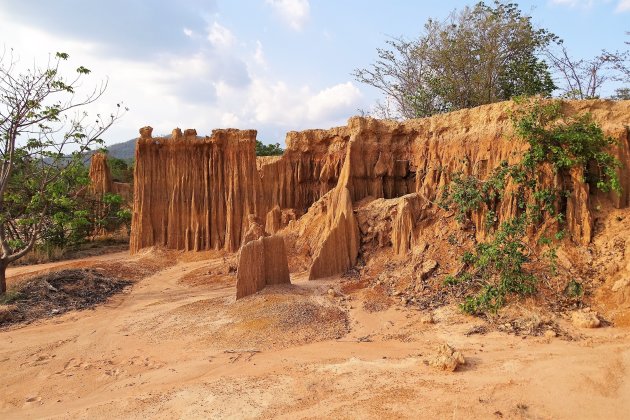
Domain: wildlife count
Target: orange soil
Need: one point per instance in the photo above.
(178, 345)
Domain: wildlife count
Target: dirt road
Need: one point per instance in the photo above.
(179, 346)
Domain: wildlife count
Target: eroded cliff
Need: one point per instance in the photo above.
(196, 193)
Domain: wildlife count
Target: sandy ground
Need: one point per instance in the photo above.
(178, 346)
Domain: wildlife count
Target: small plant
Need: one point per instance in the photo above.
(467, 194)
(498, 265)
(574, 289)
(566, 143)
(10, 297)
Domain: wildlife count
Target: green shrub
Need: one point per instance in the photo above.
(563, 143)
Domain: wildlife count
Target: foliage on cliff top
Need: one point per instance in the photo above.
(479, 55)
(268, 149)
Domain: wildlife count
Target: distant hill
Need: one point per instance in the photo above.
(125, 150)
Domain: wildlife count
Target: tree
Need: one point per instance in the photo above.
(122, 170)
(479, 55)
(268, 149)
(584, 78)
(66, 221)
(622, 94)
(44, 134)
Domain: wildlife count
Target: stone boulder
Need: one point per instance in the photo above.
(585, 319)
(447, 358)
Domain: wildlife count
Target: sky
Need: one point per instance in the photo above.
(270, 65)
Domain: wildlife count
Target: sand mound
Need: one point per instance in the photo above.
(275, 319)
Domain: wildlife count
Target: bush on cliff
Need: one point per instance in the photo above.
(498, 268)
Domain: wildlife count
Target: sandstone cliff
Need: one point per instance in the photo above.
(390, 159)
(196, 193)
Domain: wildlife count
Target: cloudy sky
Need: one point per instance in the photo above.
(272, 65)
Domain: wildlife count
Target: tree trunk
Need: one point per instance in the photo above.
(3, 278)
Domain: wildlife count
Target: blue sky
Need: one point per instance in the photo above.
(272, 65)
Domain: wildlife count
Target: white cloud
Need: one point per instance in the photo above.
(220, 36)
(330, 102)
(188, 32)
(259, 55)
(277, 103)
(294, 12)
(623, 6)
(210, 87)
(229, 120)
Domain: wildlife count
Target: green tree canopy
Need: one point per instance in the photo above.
(268, 149)
(122, 170)
(479, 55)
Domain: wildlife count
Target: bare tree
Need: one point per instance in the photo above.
(585, 78)
(44, 133)
(400, 73)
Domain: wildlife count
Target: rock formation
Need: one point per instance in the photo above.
(338, 246)
(254, 231)
(100, 175)
(274, 220)
(262, 262)
(195, 193)
(101, 181)
(403, 236)
(447, 358)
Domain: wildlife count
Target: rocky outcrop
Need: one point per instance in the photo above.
(309, 168)
(391, 159)
(403, 225)
(254, 231)
(274, 220)
(262, 262)
(101, 181)
(338, 246)
(195, 193)
(100, 175)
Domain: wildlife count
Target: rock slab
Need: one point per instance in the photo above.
(262, 262)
